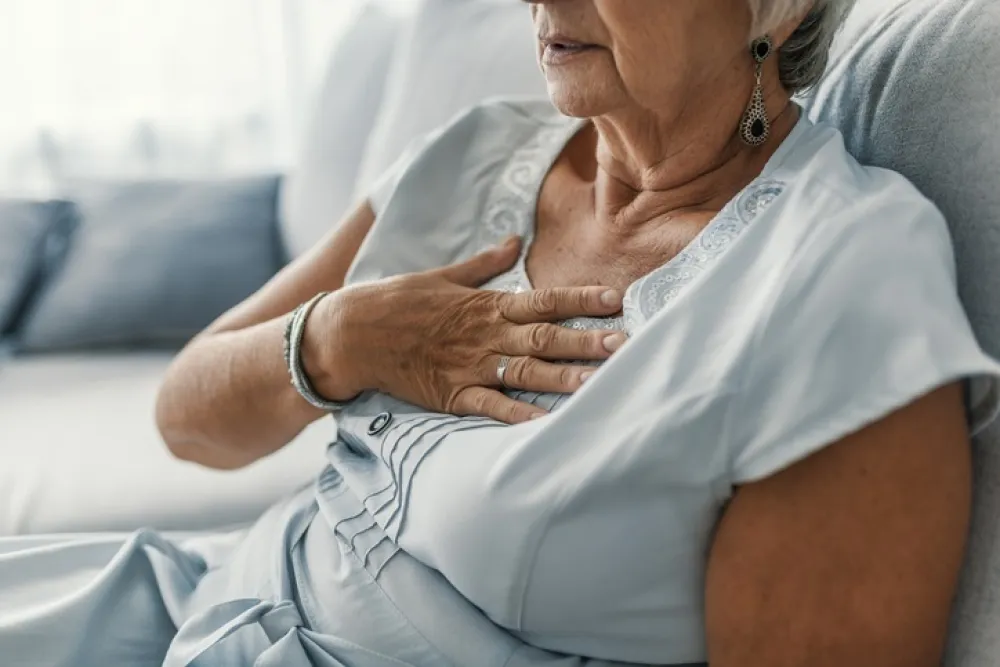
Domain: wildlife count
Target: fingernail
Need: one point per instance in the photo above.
(614, 342)
(511, 241)
(586, 376)
(537, 416)
(611, 298)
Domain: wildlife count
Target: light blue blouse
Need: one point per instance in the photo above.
(821, 298)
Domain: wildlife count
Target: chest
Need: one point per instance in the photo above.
(570, 246)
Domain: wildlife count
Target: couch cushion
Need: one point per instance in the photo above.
(915, 86)
(452, 56)
(79, 451)
(319, 191)
(29, 232)
(153, 263)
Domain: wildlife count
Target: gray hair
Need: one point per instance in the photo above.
(804, 57)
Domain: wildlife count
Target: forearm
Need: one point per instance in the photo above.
(227, 401)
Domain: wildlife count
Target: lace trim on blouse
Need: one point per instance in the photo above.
(512, 204)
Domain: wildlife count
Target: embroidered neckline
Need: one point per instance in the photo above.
(512, 206)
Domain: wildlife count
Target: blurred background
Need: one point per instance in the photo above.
(160, 160)
(146, 88)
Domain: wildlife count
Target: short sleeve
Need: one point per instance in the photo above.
(868, 320)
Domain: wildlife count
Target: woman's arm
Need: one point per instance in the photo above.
(433, 339)
(850, 557)
(226, 400)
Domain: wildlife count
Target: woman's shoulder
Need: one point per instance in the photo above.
(436, 205)
(841, 231)
(528, 111)
(476, 138)
(491, 131)
(850, 282)
(831, 203)
(828, 183)
(498, 118)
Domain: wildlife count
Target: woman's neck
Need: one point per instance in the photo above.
(649, 169)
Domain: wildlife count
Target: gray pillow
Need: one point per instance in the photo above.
(152, 263)
(30, 234)
(914, 85)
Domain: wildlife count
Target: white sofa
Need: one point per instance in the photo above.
(79, 451)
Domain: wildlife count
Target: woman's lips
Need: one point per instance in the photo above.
(559, 51)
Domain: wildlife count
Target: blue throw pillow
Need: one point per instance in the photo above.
(30, 236)
(153, 263)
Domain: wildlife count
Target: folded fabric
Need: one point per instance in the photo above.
(152, 263)
(30, 236)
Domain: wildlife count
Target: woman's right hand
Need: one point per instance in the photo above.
(435, 340)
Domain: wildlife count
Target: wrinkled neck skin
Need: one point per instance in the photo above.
(652, 166)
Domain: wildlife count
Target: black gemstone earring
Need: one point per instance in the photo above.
(755, 126)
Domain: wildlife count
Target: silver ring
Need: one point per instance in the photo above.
(502, 371)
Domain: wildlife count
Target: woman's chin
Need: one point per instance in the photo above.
(577, 101)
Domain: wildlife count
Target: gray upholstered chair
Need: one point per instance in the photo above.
(914, 85)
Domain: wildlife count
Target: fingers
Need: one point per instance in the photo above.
(560, 303)
(558, 343)
(483, 402)
(530, 374)
(484, 266)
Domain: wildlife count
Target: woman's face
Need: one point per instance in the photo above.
(599, 56)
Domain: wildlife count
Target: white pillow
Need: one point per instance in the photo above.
(452, 56)
(319, 191)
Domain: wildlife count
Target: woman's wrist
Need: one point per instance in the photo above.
(323, 359)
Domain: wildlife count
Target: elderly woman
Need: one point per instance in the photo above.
(758, 453)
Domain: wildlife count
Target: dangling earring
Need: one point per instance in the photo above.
(755, 127)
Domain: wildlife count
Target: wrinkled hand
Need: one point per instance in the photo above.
(435, 340)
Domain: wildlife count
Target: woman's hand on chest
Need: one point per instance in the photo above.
(435, 340)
